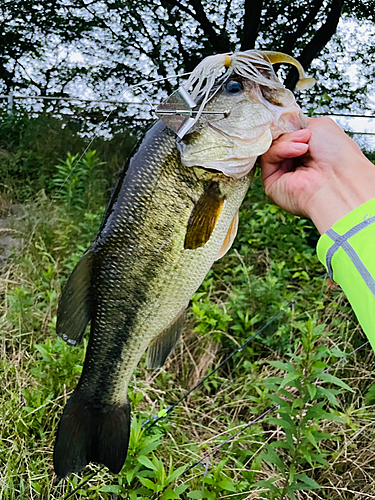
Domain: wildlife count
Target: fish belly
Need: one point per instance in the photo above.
(144, 276)
(136, 277)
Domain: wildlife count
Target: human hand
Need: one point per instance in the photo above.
(318, 172)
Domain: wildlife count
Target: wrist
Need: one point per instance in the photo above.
(342, 193)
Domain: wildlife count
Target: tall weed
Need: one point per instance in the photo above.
(272, 259)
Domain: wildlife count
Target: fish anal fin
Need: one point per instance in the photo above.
(74, 311)
(203, 218)
(160, 348)
(231, 234)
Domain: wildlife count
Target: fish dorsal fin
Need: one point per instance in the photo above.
(74, 311)
(231, 234)
(165, 342)
(203, 218)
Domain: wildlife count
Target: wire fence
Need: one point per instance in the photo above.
(149, 104)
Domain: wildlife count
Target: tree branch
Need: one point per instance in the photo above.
(219, 43)
(226, 17)
(291, 39)
(318, 42)
(253, 11)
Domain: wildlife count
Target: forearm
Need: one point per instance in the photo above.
(348, 252)
(342, 192)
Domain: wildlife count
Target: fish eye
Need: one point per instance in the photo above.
(233, 87)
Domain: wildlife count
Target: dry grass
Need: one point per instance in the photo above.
(31, 398)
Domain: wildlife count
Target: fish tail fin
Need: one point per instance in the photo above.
(88, 433)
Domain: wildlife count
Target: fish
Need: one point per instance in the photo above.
(172, 213)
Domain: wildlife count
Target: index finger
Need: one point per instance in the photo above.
(286, 146)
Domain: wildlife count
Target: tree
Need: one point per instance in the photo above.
(31, 33)
(103, 46)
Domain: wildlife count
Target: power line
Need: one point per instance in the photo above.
(346, 114)
(117, 101)
(51, 98)
(359, 133)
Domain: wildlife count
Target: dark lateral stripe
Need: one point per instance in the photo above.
(341, 241)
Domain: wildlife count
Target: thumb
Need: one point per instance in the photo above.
(278, 159)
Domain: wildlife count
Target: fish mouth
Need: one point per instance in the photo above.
(233, 150)
(229, 154)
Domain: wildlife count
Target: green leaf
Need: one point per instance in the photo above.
(290, 378)
(290, 492)
(149, 484)
(307, 480)
(177, 473)
(319, 436)
(306, 454)
(196, 494)
(180, 489)
(338, 353)
(281, 422)
(330, 394)
(146, 462)
(225, 484)
(312, 389)
(282, 366)
(111, 488)
(169, 495)
(317, 457)
(309, 435)
(327, 377)
(149, 447)
(282, 444)
(279, 401)
(273, 458)
(298, 403)
(267, 484)
(334, 418)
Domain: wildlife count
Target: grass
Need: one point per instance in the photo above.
(271, 261)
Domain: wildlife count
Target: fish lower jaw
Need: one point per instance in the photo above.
(234, 168)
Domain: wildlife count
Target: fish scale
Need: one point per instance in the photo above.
(172, 213)
(142, 277)
(150, 275)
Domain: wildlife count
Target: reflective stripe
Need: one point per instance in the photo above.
(342, 241)
(339, 240)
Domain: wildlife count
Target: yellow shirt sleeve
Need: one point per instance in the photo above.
(347, 250)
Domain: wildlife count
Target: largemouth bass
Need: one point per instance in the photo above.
(172, 213)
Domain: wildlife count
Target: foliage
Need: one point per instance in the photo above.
(118, 44)
(78, 178)
(25, 26)
(272, 261)
(301, 408)
(30, 149)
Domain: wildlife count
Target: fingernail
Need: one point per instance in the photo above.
(299, 133)
(298, 146)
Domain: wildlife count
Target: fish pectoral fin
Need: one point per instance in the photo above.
(203, 218)
(161, 347)
(74, 311)
(231, 234)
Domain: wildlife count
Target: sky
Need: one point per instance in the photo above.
(351, 33)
